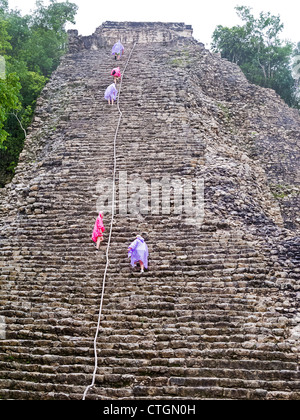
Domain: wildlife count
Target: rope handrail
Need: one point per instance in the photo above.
(110, 232)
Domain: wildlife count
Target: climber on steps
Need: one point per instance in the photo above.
(117, 50)
(99, 228)
(116, 73)
(111, 93)
(138, 252)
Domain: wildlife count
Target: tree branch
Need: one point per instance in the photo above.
(16, 115)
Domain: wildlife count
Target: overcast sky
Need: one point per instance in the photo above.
(204, 16)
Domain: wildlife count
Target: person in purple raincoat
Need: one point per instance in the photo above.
(117, 50)
(138, 252)
(111, 93)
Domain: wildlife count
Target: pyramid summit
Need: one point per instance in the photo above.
(130, 32)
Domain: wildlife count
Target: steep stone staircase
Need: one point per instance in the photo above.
(216, 314)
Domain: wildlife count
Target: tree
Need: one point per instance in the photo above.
(9, 101)
(4, 36)
(55, 16)
(257, 48)
(48, 38)
(3, 6)
(32, 46)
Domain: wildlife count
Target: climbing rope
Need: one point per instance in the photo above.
(110, 231)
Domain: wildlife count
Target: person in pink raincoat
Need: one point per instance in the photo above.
(116, 72)
(99, 228)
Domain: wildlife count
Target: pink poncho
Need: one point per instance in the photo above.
(98, 228)
(116, 72)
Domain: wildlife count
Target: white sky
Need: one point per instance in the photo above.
(203, 15)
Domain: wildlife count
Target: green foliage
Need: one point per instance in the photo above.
(9, 100)
(4, 37)
(3, 6)
(32, 46)
(32, 85)
(43, 50)
(257, 48)
(55, 16)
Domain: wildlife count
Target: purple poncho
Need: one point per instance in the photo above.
(111, 92)
(138, 251)
(117, 48)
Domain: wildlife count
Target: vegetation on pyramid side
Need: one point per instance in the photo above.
(31, 46)
(258, 49)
